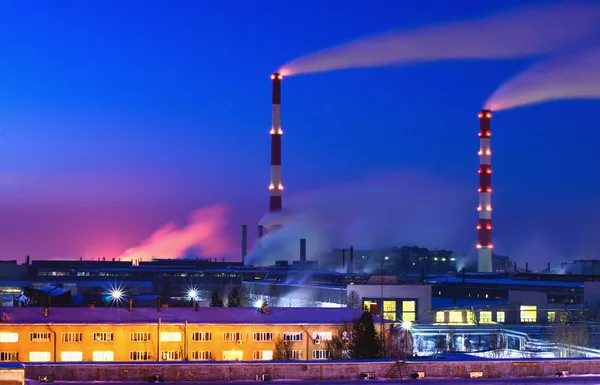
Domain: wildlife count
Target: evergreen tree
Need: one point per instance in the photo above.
(364, 343)
(233, 299)
(353, 300)
(215, 301)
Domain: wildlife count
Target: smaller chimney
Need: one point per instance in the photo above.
(196, 306)
(244, 242)
(27, 260)
(548, 267)
(343, 259)
(302, 253)
(526, 267)
(46, 312)
(515, 266)
(261, 231)
(351, 265)
(130, 304)
(158, 304)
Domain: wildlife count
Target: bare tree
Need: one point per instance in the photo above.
(353, 300)
(571, 337)
(282, 350)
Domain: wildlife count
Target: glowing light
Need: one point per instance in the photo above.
(406, 325)
(272, 132)
(280, 131)
(488, 208)
(280, 77)
(488, 133)
(192, 294)
(479, 171)
(479, 208)
(488, 227)
(489, 189)
(272, 77)
(488, 171)
(480, 152)
(480, 115)
(490, 246)
(479, 134)
(258, 303)
(479, 189)
(478, 246)
(488, 115)
(271, 186)
(488, 152)
(280, 187)
(478, 227)
(116, 294)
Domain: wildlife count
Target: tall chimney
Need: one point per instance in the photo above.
(515, 266)
(244, 242)
(484, 227)
(302, 253)
(351, 265)
(343, 259)
(527, 267)
(276, 186)
(261, 231)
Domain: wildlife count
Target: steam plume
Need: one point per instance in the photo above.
(567, 77)
(204, 231)
(522, 32)
(374, 213)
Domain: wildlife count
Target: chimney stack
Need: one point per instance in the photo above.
(303, 253)
(515, 266)
(261, 231)
(276, 186)
(484, 227)
(244, 242)
(351, 265)
(343, 260)
(526, 267)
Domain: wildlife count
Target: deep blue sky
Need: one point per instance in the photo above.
(117, 117)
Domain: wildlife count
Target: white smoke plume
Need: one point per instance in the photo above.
(575, 76)
(378, 212)
(523, 32)
(203, 233)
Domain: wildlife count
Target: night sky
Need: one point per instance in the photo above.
(120, 117)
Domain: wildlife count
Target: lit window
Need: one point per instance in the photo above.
(232, 336)
(170, 336)
(389, 310)
(202, 355)
(485, 317)
(9, 337)
(71, 356)
(171, 355)
(103, 337)
(39, 356)
(456, 316)
(500, 317)
(367, 305)
(440, 317)
(264, 355)
(232, 355)
(139, 336)
(551, 316)
(409, 310)
(528, 313)
(139, 356)
(322, 336)
(103, 356)
(39, 337)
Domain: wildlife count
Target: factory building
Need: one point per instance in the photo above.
(167, 334)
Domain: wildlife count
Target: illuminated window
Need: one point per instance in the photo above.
(409, 310)
(470, 317)
(367, 305)
(389, 310)
(322, 336)
(39, 356)
(263, 355)
(202, 336)
(171, 355)
(39, 337)
(104, 337)
(500, 317)
(528, 313)
(485, 317)
(232, 337)
(321, 354)
(71, 337)
(440, 317)
(71, 356)
(263, 336)
(139, 336)
(103, 356)
(202, 355)
(292, 336)
(9, 356)
(170, 336)
(9, 337)
(551, 316)
(456, 316)
(139, 356)
(232, 355)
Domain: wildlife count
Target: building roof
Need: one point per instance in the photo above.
(211, 315)
(502, 282)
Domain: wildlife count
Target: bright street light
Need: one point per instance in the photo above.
(406, 325)
(193, 294)
(116, 294)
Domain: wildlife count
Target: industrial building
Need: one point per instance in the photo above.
(167, 334)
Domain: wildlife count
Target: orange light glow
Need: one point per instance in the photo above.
(490, 246)
(489, 171)
(479, 208)
(480, 115)
(488, 115)
(280, 131)
(280, 187)
(488, 208)
(480, 153)
(488, 133)
(479, 189)
(272, 77)
(272, 132)
(489, 227)
(479, 171)
(489, 189)
(488, 152)
(271, 186)
(478, 227)
(478, 246)
(280, 77)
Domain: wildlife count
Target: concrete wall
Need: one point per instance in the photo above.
(309, 370)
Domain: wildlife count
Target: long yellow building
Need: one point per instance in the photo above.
(171, 334)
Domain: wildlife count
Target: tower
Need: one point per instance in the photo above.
(484, 226)
(276, 187)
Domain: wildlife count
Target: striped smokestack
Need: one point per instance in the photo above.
(276, 187)
(484, 227)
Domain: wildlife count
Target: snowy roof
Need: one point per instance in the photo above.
(439, 303)
(54, 290)
(504, 282)
(210, 315)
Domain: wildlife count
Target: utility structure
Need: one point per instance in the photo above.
(484, 226)
(276, 186)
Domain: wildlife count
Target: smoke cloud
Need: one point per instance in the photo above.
(575, 76)
(204, 233)
(372, 213)
(523, 32)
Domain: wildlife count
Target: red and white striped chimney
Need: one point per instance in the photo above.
(276, 187)
(484, 227)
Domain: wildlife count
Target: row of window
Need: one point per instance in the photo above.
(528, 314)
(390, 309)
(164, 336)
(170, 355)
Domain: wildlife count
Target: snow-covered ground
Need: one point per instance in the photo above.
(511, 353)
